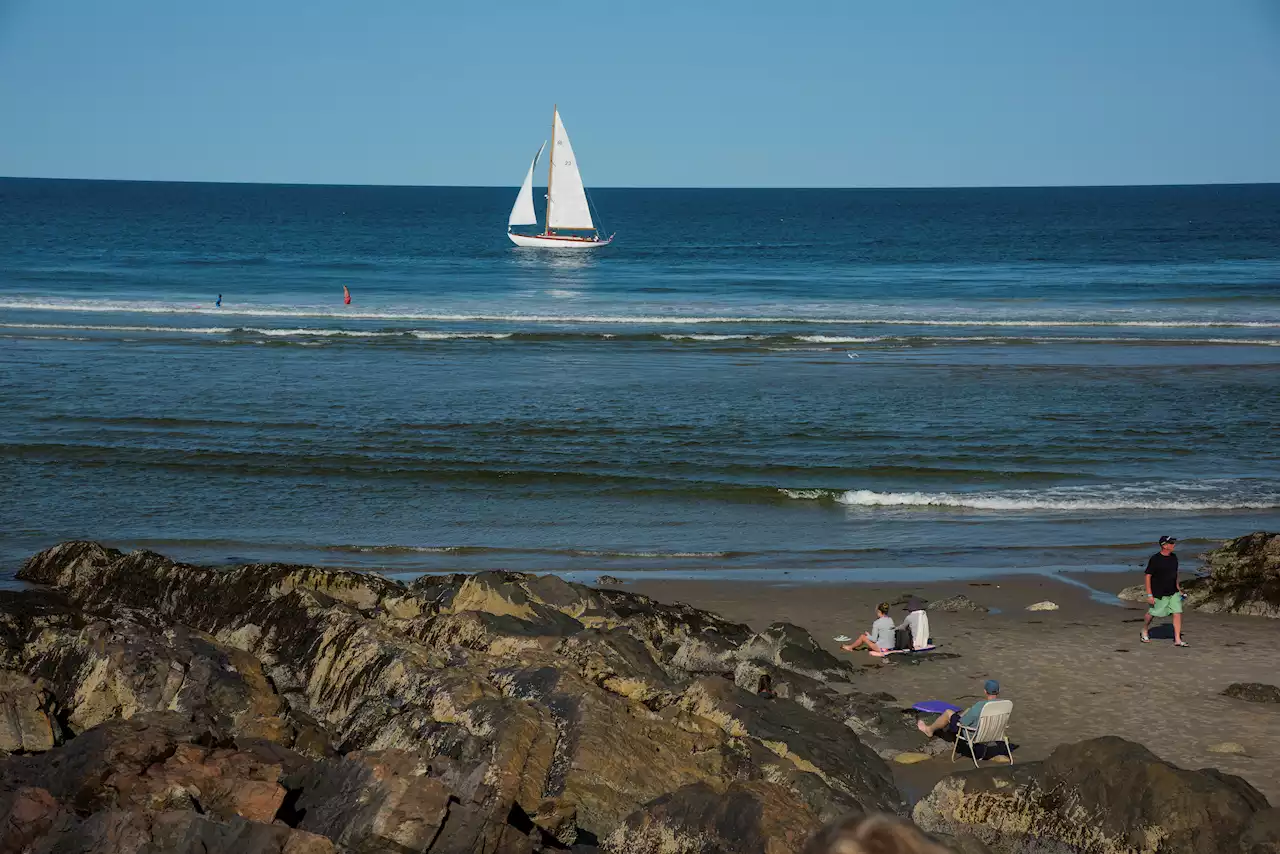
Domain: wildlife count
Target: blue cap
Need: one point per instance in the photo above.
(991, 686)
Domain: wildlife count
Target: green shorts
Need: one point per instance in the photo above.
(1166, 605)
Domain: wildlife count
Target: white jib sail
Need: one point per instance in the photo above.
(567, 201)
(522, 212)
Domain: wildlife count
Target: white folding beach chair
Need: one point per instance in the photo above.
(992, 723)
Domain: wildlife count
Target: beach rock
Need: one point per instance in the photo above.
(805, 741)
(26, 722)
(886, 834)
(558, 819)
(381, 801)
(908, 758)
(1101, 795)
(1136, 593)
(610, 580)
(502, 712)
(1242, 577)
(188, 831)
(751, 816)
(619, 663)
(1262, 835)
(1254, 692)
(131, 832)
(86, 770)
(664, 628)
(120, 668)
(1043, 606)
(1228, 747)
(792, 648)
(31, 813)
(707, 653)
(959, 602)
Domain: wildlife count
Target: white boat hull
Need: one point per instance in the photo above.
(552, 241)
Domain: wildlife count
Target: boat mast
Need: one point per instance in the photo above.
(551, 164)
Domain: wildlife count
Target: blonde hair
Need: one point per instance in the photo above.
(877, 834)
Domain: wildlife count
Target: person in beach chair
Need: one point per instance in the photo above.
(878, 641)
(953, 719)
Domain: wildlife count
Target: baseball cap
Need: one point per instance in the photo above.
(991, 686)
(1164, 540)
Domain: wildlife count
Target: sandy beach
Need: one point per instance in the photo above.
(1075, 673)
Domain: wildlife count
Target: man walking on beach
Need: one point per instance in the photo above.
(1164, 594)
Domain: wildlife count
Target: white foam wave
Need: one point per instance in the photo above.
(449, 336)
(1064, 499)
(189, 330)
(319, 333)
(810, 494)
(837, 339)
(692, 337)
(152, 307)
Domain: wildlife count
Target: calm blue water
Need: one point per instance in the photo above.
(876, 382)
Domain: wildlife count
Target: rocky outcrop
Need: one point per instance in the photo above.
(959, 602)
(1254, 692)
(156, 782)
(1242, 576)
(1102, 796)
(1262, 835)
(792, 648)
(274, 707)
(703, 819)
(27, 724)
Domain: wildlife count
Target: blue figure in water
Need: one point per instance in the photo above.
(219, 301)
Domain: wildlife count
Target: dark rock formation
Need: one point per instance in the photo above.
(1103, 795)
(288, 708)
(1254, 692)
(1262, 835)
(959, 602)
(793, 648)
(26, 720)
(753, 816)
(1243, 577)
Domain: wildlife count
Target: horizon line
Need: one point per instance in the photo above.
(634, 187)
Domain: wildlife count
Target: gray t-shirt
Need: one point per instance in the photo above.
(882, 633)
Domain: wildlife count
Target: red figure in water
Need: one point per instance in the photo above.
(346, 296)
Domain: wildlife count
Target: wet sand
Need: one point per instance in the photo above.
(1075, 673)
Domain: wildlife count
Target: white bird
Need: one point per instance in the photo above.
(852, 355)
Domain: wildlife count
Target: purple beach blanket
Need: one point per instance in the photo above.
(935, 707)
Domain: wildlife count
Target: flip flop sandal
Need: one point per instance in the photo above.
(1182, 643)
(1145, 639)
(842, 638)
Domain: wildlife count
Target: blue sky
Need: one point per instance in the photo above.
(844, 93)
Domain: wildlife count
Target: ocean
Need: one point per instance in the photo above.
(786, 384)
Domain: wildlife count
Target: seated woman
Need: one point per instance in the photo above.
(915, 625)
(880, 639)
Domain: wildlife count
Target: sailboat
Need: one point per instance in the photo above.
(569, 224)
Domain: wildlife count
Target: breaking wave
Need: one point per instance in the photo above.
(1168, 497)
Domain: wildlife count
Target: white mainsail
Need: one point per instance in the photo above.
(522, 212)
(566, 197)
